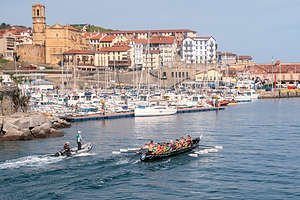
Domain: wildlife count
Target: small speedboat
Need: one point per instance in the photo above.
(74, 151)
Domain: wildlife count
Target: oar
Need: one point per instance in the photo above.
(128, 150)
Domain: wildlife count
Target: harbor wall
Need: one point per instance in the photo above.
(283, 93)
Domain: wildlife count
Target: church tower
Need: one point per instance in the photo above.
(39, 24)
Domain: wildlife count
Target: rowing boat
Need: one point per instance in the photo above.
(148, 156)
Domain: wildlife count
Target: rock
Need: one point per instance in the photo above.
(37, 120)
(23, 123)
(7, 126)
(22, 126)
(41, 131)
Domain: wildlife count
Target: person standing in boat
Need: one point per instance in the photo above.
(79, 139)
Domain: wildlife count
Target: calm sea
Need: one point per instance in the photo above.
(257, 158)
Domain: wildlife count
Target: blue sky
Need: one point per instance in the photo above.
(260, 28)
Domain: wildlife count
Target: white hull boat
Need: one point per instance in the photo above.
(149, 111)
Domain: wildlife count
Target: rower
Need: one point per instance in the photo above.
(150, 146)
(183, 142)
(189, 140)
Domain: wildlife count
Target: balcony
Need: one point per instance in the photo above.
(120, 63)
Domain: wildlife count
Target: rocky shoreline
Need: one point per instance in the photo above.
(29, 126)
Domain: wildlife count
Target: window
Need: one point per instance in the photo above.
(179, 74)
(176, 74)
(172, 74)
(182, 74)
(38, 12)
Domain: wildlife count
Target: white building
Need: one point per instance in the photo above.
(138, 46)
(199, 50)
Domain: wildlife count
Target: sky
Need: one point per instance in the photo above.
(259, 28)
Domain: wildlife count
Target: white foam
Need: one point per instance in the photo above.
(84, 154)
(123, 150)
(116, 152)
(193, 155)
(212, 150)
(30, 161)
(219, 147)
(202, 151)
(134, 149)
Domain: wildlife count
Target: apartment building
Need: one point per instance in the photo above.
(114, 57)
(7, 45)
(199, 50)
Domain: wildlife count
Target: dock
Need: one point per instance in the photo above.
(131, 114)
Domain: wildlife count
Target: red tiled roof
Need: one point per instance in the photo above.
(162, 40)
(73, 29)
(74, 51)
(278, 67)
(244, 57)
(204, 38)
(114, 48)
(108, 38)
(89, 35)
(154, 31)
(96, 37)
(141, 41)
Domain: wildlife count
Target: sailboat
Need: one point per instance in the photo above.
(150, 109)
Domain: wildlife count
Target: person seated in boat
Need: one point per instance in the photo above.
(158, 149)
(183, 142)
(178, 144)
(150, 146)
(67, 148)
(189, 140)
(172, 145)
(168, 147)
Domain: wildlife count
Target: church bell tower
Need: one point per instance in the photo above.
(38, 23)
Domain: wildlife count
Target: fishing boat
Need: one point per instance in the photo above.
(147, 156)
(74, 151)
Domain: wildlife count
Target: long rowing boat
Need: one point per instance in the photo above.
(148, 156)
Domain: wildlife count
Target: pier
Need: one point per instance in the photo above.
(131, 114)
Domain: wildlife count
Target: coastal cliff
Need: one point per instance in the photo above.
(28, 126)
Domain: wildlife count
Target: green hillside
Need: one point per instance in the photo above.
(90, 28)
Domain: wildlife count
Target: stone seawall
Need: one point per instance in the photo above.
(284, 93)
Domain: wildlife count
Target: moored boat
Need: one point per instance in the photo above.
(147, 156)
(149, 111)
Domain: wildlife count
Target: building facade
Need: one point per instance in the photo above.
(8, 45)
(114, 57)
(199, 50)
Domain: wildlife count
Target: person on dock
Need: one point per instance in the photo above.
(79, 139)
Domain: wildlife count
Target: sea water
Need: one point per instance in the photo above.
(249, 151)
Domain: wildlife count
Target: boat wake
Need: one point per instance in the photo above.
(30, 161)
(84, 154)
(214, 149)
